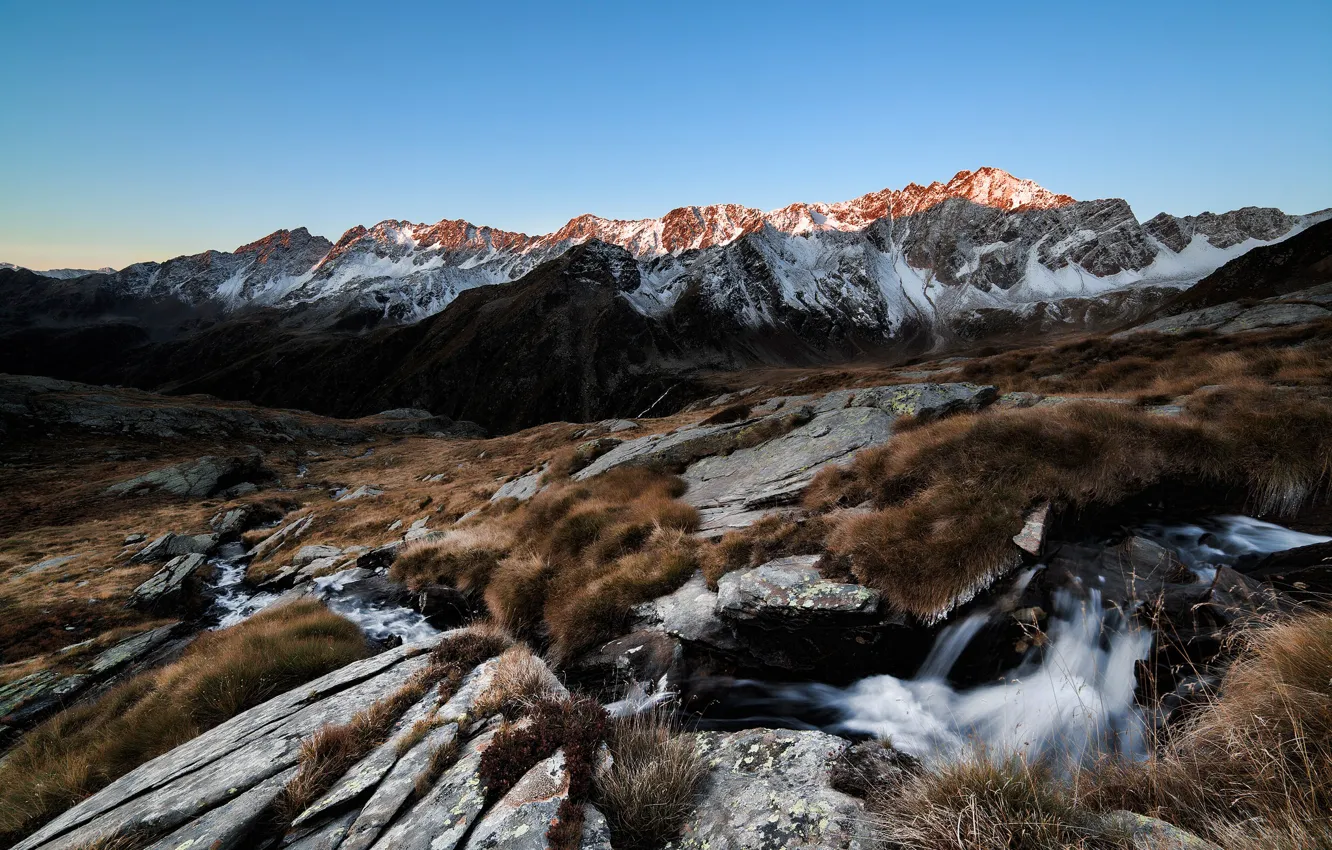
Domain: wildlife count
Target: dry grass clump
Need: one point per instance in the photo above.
(221, 674)
(769, 538)
(463, 558)
(516, 596)
(1253, 768)
(571, 459)
(978, 802)
(131, 840)
(1161, 366)
(569, 564)
(520, 679)
(728, 414)
(949, 496)
(440, 759)
(648, 789)
(591, 602)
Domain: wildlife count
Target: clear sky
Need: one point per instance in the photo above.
(138, 130)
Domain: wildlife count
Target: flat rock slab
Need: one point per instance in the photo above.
(690, 614)
(675, 448)
(791, 589)
(442, 818)
(697, 442)
(1274, 315)
(25, 701)
(129, 650)
(186, 784)
(778, 471)
(735, 489)
(522, 488)
(771, 788)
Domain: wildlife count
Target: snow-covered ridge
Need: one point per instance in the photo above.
(933, 255)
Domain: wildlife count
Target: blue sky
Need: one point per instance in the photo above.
(134, 130)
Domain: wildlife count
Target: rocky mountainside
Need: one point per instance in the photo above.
(605, 318)
(939, 255)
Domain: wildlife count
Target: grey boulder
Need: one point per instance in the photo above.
(772, 788)
(197, 478)
(172, 545)
(171, 587)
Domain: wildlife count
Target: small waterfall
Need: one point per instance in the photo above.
(950, 643)
(378, 621)
(233, 600)
(1069, 700)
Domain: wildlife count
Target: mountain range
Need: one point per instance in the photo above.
(603, 316)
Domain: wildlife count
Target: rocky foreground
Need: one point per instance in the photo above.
(764, 788)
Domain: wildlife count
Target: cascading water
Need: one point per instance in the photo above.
(1069, 700)
(378, 621)
(1223, 540)
(234, 601)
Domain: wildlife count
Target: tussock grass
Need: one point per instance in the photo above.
(463, 558)
(440, 759)
(648, 789)
(520, 679)
(220, 675)
(568, 565)
(950, 495)
(769, 538)
(1159, 367)
(728, 414)
(1252, 768)
(985, 803)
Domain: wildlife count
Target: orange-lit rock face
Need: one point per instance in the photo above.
(718, 224)
(697, 227)
(265, 247)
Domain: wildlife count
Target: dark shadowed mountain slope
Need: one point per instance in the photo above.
(1302, 261)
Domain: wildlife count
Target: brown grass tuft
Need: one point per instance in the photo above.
(520, 678)
(517, 592)
(977, 802)
(464, 558)
(727, 415)
(585, 554)
(440, 759)
(222, 673)
(1162, 365)
(1253, 768)
(591, 602)
(950, 495)
(649, 788)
